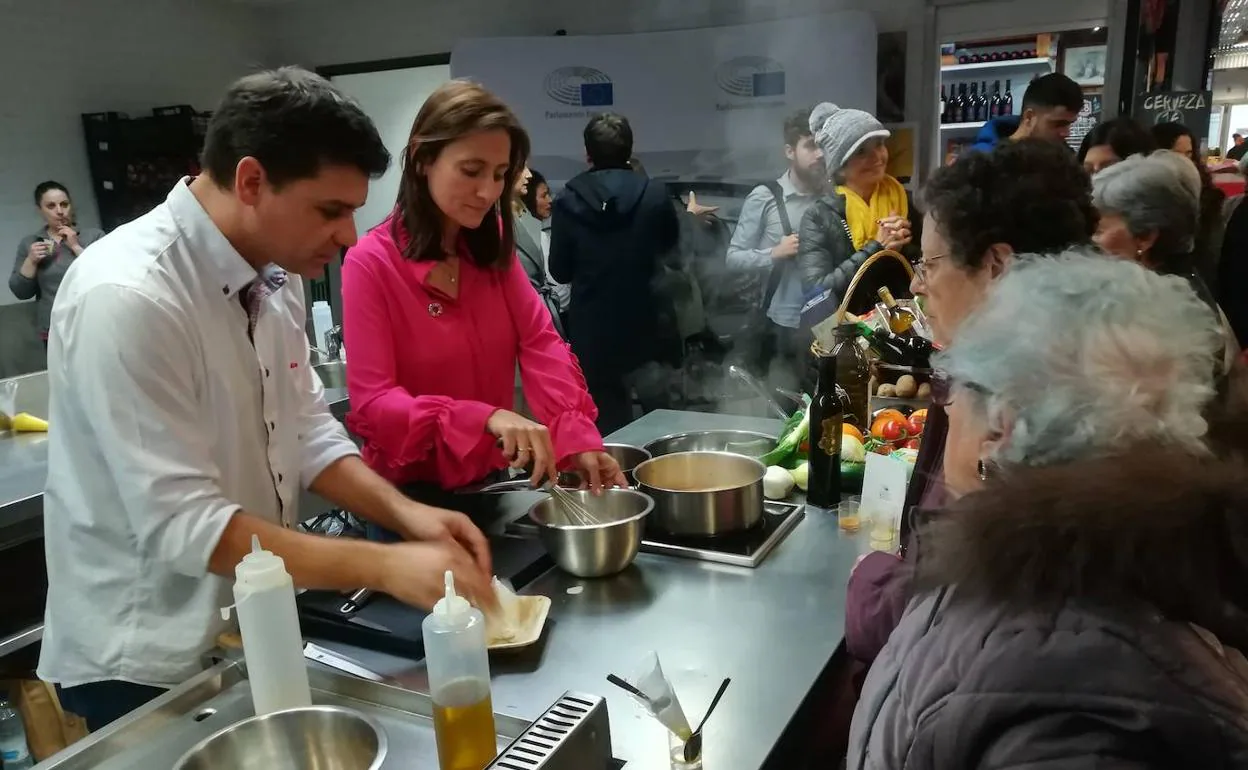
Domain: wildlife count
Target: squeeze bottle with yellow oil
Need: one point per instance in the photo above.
(459, 683)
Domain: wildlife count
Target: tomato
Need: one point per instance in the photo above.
(804, 446)
(893, 430)
(914, 426)
(911, 444)
(882, 418)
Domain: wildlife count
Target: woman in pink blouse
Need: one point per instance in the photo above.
(437, 311)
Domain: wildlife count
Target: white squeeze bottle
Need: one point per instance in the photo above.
(459, 683)
(322, 322)
(264, 600)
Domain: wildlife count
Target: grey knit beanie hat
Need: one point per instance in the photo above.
(840, 132)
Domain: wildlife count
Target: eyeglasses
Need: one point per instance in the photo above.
(923, 265)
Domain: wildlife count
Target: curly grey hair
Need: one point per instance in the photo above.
(1156, 193)
(1077, 354)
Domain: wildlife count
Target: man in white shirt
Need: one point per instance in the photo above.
(186, 416)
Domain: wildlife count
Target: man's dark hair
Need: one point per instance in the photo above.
(1237, 136)
(1053, 90)
(1167, 135)
(293, 122)
(43, 188)
(1125, 136)
(1031, 194)
(609, 141)
(797, 127)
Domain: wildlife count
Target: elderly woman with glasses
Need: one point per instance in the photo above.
(1082, 602)
(1029, 196)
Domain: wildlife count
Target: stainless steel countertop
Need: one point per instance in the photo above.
(23, 473)
(23, 470)
(772, 629)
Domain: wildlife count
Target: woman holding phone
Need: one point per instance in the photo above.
(438, 313)
(45, 255)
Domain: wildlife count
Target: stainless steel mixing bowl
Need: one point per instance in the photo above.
(594, 550)
(323, 737)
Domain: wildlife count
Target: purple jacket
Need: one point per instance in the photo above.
(879, 586)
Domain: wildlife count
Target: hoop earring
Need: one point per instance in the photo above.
(982, 467)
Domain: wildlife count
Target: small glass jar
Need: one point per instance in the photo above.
(676, 753)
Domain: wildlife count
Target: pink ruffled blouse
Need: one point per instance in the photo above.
(426, 371)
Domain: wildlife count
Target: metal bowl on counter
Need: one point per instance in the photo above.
(594, 550)
(741, 442)
(703, 493)
(324, 737)
(627, 455)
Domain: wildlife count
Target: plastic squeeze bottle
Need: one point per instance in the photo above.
(264, 600)
(322, 322)
(459, 683)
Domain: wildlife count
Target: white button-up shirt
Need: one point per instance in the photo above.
(165, 420)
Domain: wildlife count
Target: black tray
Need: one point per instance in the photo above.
(519, 560)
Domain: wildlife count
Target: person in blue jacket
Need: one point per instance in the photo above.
(1049, 107)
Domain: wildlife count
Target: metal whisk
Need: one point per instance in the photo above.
(570, 507)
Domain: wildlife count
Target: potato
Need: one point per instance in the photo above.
(907, 386)
(887, 391)
(925, 392)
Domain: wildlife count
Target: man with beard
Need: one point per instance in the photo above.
(766, 238)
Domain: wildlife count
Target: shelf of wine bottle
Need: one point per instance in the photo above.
(999, 65)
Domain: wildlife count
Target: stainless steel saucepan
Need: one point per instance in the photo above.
(703, 493)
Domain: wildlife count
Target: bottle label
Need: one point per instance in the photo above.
(830, 436)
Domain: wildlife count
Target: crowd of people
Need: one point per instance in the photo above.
(1070, 590)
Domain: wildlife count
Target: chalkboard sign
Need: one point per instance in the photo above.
(1191, 108)
(1089, 116)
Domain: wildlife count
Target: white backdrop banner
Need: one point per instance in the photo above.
(701, 101)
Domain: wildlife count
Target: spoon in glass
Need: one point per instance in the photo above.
(693, 746)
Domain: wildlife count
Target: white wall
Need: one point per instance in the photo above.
(1230, 86)
(376, 93)
(319, 32)
(62, 58)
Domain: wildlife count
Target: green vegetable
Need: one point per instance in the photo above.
(791, 437)
(801, 475)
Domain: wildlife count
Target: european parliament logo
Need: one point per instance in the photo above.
(580, 87)
(751, 77)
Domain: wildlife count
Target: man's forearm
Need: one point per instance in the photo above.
(351, 485)
(313, 561)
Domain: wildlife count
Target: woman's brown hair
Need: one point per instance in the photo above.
(455, 110)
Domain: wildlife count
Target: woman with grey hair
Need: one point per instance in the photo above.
(1150, 212)
(866, 211)
(1078, 603)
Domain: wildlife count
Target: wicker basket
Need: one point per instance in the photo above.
(878, 260)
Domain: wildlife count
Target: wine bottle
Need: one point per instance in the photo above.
(900, 351)
(984, 102)
(960, 111)
(995, 105)
(973, 110)
(900, 319)
(853, 376)
(1007, 100)
(824, 485)
(944, 105)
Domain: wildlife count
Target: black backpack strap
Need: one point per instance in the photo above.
(774, 276)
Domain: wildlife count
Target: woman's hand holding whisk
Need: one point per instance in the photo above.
(525, 443)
